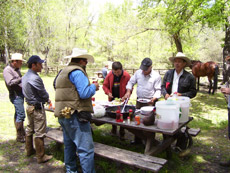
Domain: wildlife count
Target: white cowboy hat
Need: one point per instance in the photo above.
(181, 56)
(16, 56)
(80, 53)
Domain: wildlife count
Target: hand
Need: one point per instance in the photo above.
(153, 100)
(167, 96)
(110, 95)
(49, 101)
(127, 95)
(97, 86)
(179, 94)
(225, 90)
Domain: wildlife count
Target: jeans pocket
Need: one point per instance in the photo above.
(30, 109)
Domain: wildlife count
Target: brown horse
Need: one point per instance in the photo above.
(209, 69)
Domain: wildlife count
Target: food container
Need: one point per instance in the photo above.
(184, 107)
(167, 114)
(146, 110)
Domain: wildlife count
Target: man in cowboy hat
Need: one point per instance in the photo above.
(36, 96)
(178, 81)
(73, 107)
(12, 76)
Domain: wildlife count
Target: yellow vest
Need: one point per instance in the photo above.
(66, 94)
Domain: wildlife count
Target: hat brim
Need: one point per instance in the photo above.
(188, 62)
(144, 68)
(90, 58)
(18, 60)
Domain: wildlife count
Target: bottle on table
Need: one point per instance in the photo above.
(138, 119)
(118, 112)
(130, 114)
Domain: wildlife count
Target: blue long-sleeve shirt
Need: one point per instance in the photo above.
(78, 78)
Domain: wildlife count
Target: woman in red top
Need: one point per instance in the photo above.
(115, 87)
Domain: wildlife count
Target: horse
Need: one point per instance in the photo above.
(209, 69)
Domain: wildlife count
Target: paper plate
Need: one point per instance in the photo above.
(143, 100)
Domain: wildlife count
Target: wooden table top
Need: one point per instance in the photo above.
(151, 128)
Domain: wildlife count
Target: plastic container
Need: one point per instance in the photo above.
(184, 105)
(167, 114)
(146, 110)
(138, 120)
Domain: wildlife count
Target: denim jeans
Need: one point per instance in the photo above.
(77, 138)
(18, 102)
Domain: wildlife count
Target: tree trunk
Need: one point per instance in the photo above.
(177, 41)
(6, 47)
(226, 51)
(46, 57)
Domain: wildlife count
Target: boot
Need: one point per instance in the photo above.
(29, 146)
(40, 151)
(225, 164)
(23, 131)
(19, 127)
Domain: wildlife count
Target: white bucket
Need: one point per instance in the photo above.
(167, 114)
(184, 105)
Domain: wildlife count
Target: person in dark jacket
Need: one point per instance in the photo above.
(178, 80)
(36, 96)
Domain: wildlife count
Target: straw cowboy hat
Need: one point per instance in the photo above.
(181, 56)
(80, 53)
(16, 56)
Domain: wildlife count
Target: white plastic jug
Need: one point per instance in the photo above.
(184, 105)
(167, 114)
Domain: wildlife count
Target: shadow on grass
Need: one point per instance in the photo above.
(13, 159)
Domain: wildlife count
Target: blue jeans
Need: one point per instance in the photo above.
(77, 138)
(18, 102)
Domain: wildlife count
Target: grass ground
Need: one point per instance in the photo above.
(210, 146)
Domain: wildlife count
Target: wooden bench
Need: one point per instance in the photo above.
(191, 131)
(130, 158)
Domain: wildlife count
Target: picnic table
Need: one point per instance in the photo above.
(146, 161)
(147, 133)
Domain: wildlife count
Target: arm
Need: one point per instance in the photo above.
(129, 86)
(163, 86)
(157, 86)
(106, 88)
(81, 83)
(10, 79)
(192, 88)
(40, 88)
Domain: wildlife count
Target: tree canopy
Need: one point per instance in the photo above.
(127, 32)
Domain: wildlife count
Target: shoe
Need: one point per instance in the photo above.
(225, 164)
